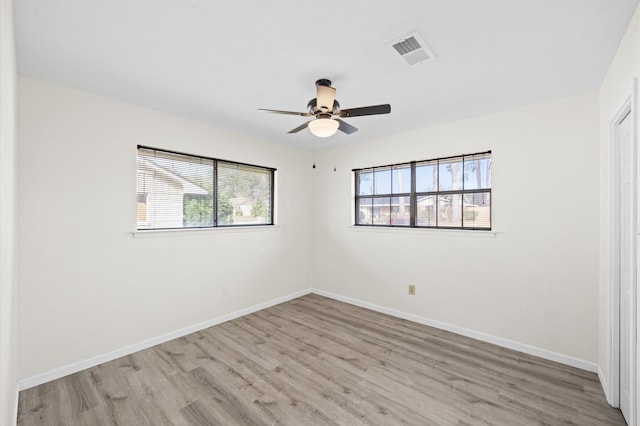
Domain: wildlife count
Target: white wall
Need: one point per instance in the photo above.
(535, 283)
(8, 273)
(86, 286)
(615, 87)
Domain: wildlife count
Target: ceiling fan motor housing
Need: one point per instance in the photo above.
(323, 82)
(312, 107)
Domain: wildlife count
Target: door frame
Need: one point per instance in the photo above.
(627, 107)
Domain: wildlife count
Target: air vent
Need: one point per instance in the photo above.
(412, 49)
(407, 46)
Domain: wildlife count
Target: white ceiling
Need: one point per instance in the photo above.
(219, 61)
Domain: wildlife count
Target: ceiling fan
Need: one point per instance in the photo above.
(324, 107)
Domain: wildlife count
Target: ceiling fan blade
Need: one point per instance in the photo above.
(326, 96)
(346, 127)
(368, 110)
(301, 127)
(276, 111)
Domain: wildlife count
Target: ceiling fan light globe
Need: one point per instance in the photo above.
(323, 127)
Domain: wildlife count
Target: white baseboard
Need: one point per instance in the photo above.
(499, 341)
(128, 350)
(15, 406)
(605, 386)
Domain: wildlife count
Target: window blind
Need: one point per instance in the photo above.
(176, 190)
(451, 192)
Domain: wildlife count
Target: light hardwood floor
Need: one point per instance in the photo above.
(316, 361)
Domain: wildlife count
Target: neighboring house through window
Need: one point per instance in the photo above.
(453, 193)
(184, 191)
(141, 207)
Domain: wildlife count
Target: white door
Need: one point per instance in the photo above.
(627, 261)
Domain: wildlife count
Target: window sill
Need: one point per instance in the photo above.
(163, 233)
(428, 231)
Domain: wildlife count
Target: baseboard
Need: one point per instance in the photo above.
(128, 350)
(15, 406)
(510, 344)
(605, 386)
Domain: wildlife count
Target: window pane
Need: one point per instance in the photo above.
(365, 211)
(452, 192)
(244, 194)
(450, 210)
(382, 181)
(400, 211)
(477, 210)
(401, 179)
(198, 210)
(382, 211)
(477, 171)
(450, 174)
(365, 182)
(166, 184)
(426, 214)
(427, 177)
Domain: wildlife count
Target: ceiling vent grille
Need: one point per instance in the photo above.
(413, 50)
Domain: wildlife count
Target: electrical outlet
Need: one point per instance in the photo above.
(225, 291)
(412, 289)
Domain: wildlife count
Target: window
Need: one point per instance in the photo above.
(184, 191)
(453, 193)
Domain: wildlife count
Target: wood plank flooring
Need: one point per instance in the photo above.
(316, 361)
